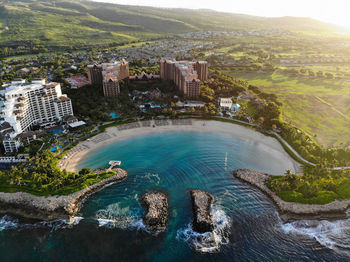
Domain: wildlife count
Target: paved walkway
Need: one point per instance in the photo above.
(303, 159)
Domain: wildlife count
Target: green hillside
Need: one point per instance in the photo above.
(78, 23)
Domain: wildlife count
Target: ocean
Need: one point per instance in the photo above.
(247, 225)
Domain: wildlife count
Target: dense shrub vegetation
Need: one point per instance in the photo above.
(318, 185)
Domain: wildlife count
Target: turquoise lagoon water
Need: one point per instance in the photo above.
(247, 226)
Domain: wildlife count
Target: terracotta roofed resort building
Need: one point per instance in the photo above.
(186, 75)
(108, 76)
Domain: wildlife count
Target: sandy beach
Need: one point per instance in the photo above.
(123, 132)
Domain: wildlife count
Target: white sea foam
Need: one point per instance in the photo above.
(331, 234)
(106, 222)
(75, 221)
(138, 224)
(208, 242)
(6, 222)
(115, 216)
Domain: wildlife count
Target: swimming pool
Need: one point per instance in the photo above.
(114, 115)
(55, 148)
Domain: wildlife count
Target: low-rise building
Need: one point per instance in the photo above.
(144, 78)
(28, 136)
(77, 124)
(191, 104)
(13, 159)
(77, 81)
(225, 103)
(69, 119)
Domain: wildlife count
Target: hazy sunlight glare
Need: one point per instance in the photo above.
(331, 11)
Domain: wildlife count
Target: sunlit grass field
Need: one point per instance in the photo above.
(320, 107)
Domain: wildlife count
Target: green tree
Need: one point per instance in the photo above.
(85, 171)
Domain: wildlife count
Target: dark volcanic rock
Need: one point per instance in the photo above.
(201, 206)
(156, 216)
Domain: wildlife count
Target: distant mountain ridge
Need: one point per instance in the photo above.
(75, 22)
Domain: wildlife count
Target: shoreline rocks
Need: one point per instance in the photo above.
(156, 206)
(53, 207)
(292, 210)
(201, 207)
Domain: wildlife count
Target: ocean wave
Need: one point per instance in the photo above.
(331, 234)
(75, 221)
(102, 222)
(208, 242)
(54, 224)
(115, 216)
(7, 222)
(138, 224)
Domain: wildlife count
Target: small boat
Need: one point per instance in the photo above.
(115, 163)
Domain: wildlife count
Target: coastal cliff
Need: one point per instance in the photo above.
(201, 206)
(292, 210)
(53, 207)
(156, 216)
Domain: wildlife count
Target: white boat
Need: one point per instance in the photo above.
(115, 163)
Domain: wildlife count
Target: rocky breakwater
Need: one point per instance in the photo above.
(292, 210)
(156, 206)
(201, 207)
(52, 207)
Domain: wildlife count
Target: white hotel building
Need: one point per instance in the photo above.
(23, 105)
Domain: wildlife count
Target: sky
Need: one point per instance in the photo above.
(331, 11)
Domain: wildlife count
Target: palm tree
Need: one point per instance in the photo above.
(288, 172)
(56, 183)
(38, 178)
(70, 138)
(18, 179)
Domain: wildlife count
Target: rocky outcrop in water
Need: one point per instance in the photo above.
(201, 207)
(291, 210)
(52, 207)
(156, 216)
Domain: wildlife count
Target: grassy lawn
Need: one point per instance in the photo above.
(88, 180)
(322, 197)
(318, 106)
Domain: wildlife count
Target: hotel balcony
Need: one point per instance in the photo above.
(18, 112)
(19, 105)
(20, 99)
